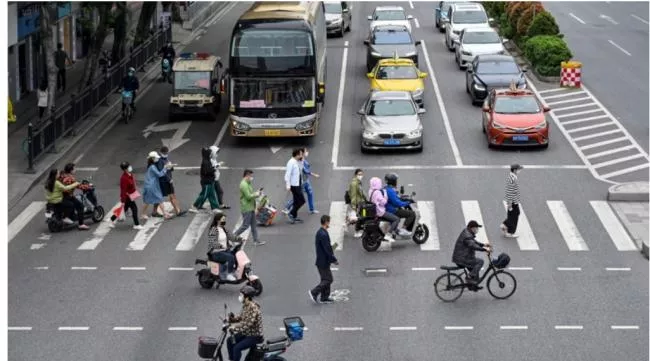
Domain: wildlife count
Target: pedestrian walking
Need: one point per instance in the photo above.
(214, 154)
(128, 194)
(247, 197)
(60, 57)
(166, 181)
(324, 258)
(509, 225)
(151, 192)
(355, 197)
(207, 174)
(306, 173)
(293, 181)
(42, 95)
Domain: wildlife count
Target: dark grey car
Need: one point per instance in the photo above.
(487, 72)
(386, 41)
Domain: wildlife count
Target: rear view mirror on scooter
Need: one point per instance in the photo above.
(401, 189)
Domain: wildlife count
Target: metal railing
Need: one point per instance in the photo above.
(69, 115)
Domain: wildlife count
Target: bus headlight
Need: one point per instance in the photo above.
(240, 126)
(305, 125)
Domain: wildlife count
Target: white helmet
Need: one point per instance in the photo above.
(153, 155)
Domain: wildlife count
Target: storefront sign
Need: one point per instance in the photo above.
(63, 9)
(29, 19)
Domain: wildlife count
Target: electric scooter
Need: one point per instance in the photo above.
(95, 212)
(209, 276)
(166, 69)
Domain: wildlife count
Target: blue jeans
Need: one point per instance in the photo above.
(241, 343)
(225, 259)
(306, 187)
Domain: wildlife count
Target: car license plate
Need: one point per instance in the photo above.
(272, 133)
(391, 142)
(520, 138)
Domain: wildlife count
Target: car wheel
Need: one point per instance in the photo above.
(449, 46)
(460, 64)
(368, 67)
(441, 29)
(348, 29)
(342, 33)
(545, 146)
(420, 149)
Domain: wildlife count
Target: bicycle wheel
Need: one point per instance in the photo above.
(448, 287)
(501, 284)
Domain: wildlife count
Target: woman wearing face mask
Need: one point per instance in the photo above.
(247, 330)
(357, 197)
(219, 245)
(128, 194)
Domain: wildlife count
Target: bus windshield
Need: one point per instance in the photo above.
(268, 50)
(270, 93)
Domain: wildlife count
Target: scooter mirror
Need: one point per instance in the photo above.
(401, 189)
(413, 194)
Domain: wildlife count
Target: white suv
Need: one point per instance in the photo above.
(464, 16)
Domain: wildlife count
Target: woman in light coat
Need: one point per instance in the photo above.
(151, 192)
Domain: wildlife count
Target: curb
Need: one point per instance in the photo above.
(629, 192)
(644, 249)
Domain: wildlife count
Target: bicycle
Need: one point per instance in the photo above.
(127, 100)
(452, 283)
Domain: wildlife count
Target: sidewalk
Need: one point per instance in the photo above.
(630, 202)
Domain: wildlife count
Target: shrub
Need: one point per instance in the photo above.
(494, 9)
(543, 24)
(509, 6)
(526, 18)
(517, 10)
(546, 52)
(505, 30)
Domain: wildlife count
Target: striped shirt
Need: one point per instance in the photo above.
(512, 188)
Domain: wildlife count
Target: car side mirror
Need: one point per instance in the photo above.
(346, 10)
(418, 42)
(219, 64)
(370, 75)
(367, 42)
(361, 111)
(409, 17)
(401, 189)
(369, 18)
(491, 20)
(505, 40)
(422, 111)
(486, 108)
(423, 75)
(524, 70)
(456, 42)
(470, 70)
(546, 108)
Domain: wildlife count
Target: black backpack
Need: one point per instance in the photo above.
(502, 261)
(347, 198)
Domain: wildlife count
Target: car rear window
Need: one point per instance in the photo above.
(397, 72)
(391, 37)
(526, 104)
(481, 37)
(497, 67)
(469, 17)
(390, 15)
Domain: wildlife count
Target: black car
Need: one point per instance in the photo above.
(388, 41)
(487, 72)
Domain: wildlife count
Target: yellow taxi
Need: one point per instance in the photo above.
(398, 74)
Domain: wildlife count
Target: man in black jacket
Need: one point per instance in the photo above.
(466, 245)
(324, 258)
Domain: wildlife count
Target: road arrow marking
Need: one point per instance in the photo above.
(275, 149)
(608, 18)
(37, 246)
(176, 140)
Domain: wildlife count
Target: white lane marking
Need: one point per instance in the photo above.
(604, 142)
(133, 268)
(73, 328)
(520, 268)
(618, 269)
(337, 224)
(100, 232)
(411, 4)
(42, 268)
(417, 23)
(555, 110)
(86, 169)
(563, 95)
(608, 18)
(24, 217)
(75, 268)
(244, 234)
(428, 217)
(435, 167)
(554, 90)
(526, 239)
(36, 246)
(45, 236)
(472, 211)
(381, 270)
(620, 48)
(579, 113)
(569, 269)
(613, 226)
(441, 103)
(346, 43)
(582, 120)
(640, 19)
(577, 18)
(182, 329)
(194, 232)
(568, 327)
(402, 328)
(145, 235)
(181, 269)
(567, 227)
(617, 160)
(348, 328)
(626, 170)
(451, 328)
(339, 110)
(596, 135)
(19, 328)
(569, 101)
(236, 168)
(126, 328)
(625, 327)
(513, 327)
(589, 127)
(423, 269)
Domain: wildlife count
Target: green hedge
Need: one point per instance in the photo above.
(495, 9)
(545, 53)
(543, 24)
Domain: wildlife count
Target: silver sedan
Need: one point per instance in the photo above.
(391, 120)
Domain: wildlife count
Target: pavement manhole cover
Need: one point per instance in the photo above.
(375, 272)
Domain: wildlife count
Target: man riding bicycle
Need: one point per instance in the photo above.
(464, 253)
(396, 206)
(130, 83)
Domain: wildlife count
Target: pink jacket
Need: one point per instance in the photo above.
(377, 195)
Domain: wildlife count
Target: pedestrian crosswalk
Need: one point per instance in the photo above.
(435, 217)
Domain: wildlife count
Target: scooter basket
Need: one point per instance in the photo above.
(207, 347)
(294, 326)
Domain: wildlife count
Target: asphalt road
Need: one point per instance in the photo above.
(583, 305)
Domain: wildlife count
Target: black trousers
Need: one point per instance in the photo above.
(134, 212)
(512, 218)
(323, 288)
(409, 216)
(60, 79)
(298, 200)
(41, 110)
(219, 190)
(473, 266)
(78, 207)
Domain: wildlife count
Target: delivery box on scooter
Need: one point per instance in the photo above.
(196, 86)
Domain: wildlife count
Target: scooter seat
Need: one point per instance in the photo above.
(276, 339)
(450, 268)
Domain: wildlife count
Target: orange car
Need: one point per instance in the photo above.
(514, 117)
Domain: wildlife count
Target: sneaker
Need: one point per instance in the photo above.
(315, 211)
(404, 233)
(259, 243)
(286, 212)
(67, 220)
(511, 235)
(193, 210)
(223, 206)
(358, 234)
(231, 277)
(298, 220)
(138, 227)
(312, 297)
(326, 301)
(111, 224)
(83, 227)
(389, 237)
(504, 229)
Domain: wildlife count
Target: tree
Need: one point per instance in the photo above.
(144, 21)
(47, 9)
(97, 42)
(119, 31)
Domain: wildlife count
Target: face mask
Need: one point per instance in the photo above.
(306, 154)
(250, 179)
(223, 223)
(129, 169)
(131, 74)
(163, 156)
(241, 298)
(359, 177)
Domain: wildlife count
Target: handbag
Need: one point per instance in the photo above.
(135, 195)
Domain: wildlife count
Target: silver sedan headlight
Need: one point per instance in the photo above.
(415, 133)
(369, 134)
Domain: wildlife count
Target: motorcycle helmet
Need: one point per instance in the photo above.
(132, 71)
(391, 179)
(248, 291)
(124, 165)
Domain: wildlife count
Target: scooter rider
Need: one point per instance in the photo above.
(396, 206)
(131, 83)
(247, 332)
(168, 52)
(219, 245)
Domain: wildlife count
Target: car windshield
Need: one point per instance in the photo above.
(516, 105)
(481, 37)
(333, 8)
(390, 15)
(194, 82)
(397, 72)
(391, 37)
(390, 108)
(469, 17)
(497, 67)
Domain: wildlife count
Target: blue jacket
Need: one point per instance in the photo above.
(306, 170)
(393, 200)
(160, 165)
(324, 252)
